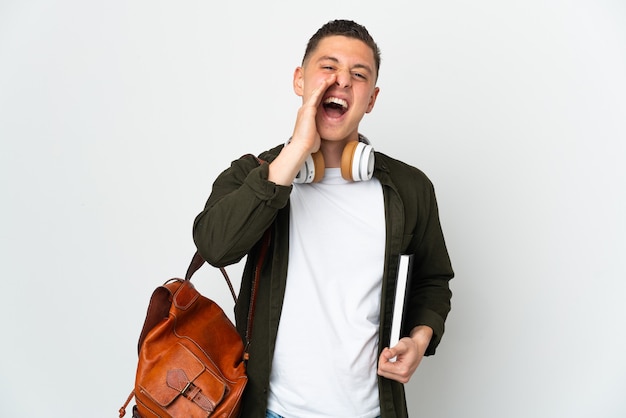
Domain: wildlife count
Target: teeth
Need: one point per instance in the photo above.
(336, 101)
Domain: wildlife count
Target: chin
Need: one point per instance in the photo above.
(338, 130)
(332, 138)
(335, 135)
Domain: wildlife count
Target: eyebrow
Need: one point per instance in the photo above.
(335, 60)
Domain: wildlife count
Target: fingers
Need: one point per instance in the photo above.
(397, 370)
(399, 362)
(316, 95)
(305, 130)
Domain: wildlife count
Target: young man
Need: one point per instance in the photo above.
(325, 296)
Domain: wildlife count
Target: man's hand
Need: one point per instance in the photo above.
(305, 139)
(305, 131)
(408, 354)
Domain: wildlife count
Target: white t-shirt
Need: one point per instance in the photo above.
(326, 352)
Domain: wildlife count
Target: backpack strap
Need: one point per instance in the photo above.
(197, 261)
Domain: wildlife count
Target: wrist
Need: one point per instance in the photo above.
(422, 334)
(286, 165)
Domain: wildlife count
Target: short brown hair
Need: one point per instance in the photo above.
(343, 28)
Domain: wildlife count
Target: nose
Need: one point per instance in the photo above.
(344, 79)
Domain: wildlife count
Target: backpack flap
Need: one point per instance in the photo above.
(184, 387)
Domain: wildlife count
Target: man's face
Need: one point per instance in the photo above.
(352, 95)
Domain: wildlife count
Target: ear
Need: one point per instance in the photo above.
(372, 101)
(298, 81)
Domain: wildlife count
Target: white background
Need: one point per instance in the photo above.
(116, 116)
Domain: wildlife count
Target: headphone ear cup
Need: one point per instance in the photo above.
(318, 164)
(346, 159)
(312, 170)
(357, 161)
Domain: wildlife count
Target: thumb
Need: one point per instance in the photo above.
(388, 353)
(397, 350)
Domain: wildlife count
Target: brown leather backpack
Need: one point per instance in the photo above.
(191, 357)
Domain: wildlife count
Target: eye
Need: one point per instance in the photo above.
(360, 75)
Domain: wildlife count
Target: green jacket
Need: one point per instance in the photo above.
(243, 204)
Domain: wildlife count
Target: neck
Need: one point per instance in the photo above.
(332, 151)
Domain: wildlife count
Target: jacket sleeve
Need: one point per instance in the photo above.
(429, 294)
(242, 205)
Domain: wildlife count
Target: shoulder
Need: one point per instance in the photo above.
(401, 173)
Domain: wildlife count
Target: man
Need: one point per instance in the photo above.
(325, 296)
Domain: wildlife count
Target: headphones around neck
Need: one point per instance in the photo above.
(357, 163)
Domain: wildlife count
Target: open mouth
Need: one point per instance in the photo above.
(335, 107)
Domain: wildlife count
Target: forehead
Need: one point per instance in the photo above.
(343, 49)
